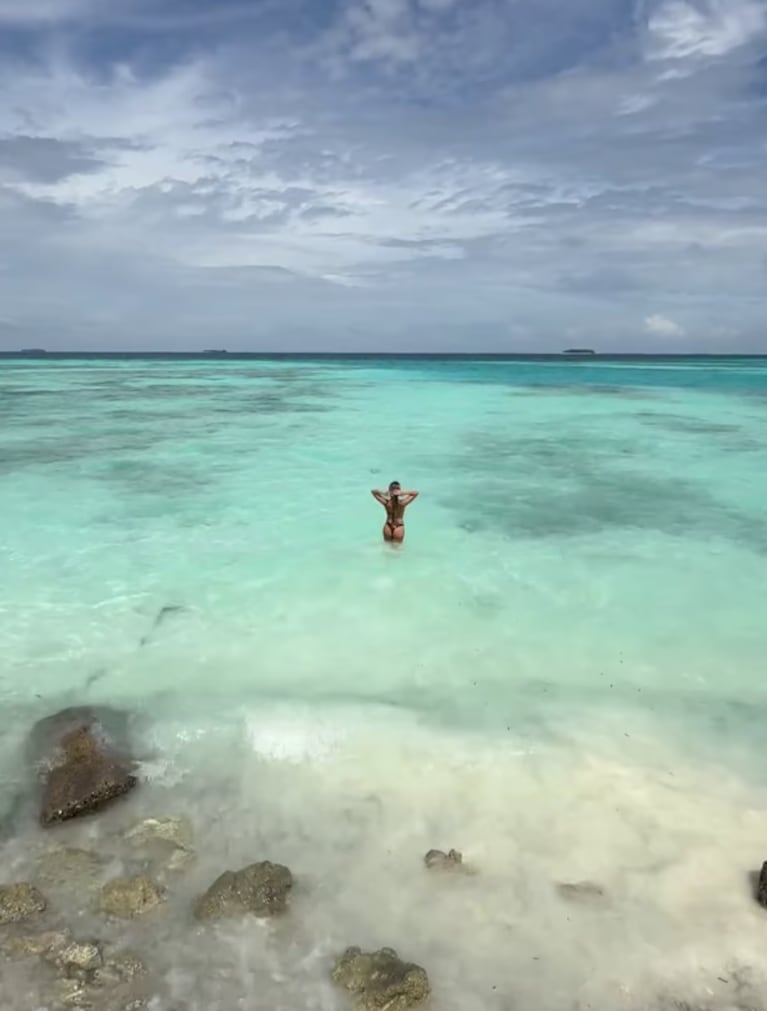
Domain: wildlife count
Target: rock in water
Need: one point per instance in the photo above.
(437, 860)
(119, 969)
(260, 889)
(166, 842)
(72, 993)
(381, 981)
(78, 960)
(128, 898)
(90, 977)
(28, 945)
(43, 751)
(760, 886)
(69, 868)
(108, 725)
(20, 902)
(87, 745)
(87, 775)
(175, 832)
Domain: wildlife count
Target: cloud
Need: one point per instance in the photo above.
(662, 326)
(377, 30)
(712, 28)
(44, 159)
(382, 170)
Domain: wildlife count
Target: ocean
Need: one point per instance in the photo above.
(561, 674)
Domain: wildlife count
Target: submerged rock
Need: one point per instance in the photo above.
(179, 860)
(437, 860)
(381, 980)
(89, 978)
(176, 832)
(581, 891)
(260, 889)
(29, 945)
(128, 898)
(69, 868)
(20, 902)
(164, 841)
(122, 968)
(72, 993)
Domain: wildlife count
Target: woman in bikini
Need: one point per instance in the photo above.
(395, 502)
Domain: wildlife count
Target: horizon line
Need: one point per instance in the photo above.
(589, 355)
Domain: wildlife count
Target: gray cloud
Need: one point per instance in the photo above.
(44, 159)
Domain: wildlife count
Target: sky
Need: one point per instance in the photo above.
(384, 175)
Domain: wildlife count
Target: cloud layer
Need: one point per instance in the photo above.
(383, 174)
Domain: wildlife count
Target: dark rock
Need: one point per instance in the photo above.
(89, 776)
(381, 981)
(128, 898)
(436, 859)
(760, 886)
(111, 726)
(20, 902)
(260, 889)
(78, 754)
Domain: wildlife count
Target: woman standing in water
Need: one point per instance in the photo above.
(395, 502)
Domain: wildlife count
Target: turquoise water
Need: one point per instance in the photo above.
(561, 674)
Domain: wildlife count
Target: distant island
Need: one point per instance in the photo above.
(215, 351)
(33, 351)
(579, 351)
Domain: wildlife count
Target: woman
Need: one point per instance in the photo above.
(395, 502)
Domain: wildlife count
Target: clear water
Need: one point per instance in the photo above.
(561, 674)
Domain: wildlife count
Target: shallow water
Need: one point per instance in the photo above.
(561, 674)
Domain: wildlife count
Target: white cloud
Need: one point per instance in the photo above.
(183, 170)
(662, 326)
(378, 30)
(681, 29)
(632, 104)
